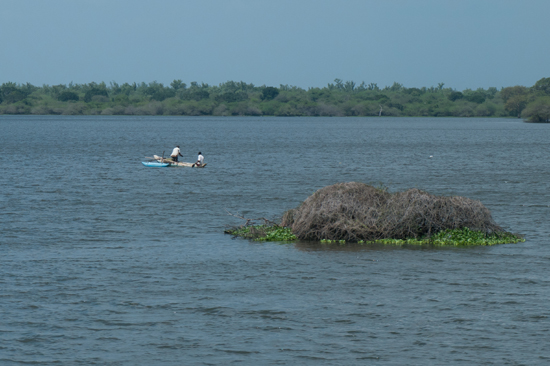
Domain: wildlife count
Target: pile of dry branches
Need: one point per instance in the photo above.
(356, 211)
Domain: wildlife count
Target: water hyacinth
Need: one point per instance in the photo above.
(456, 237)
(263, 233)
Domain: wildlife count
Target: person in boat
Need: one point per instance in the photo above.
(200, 161)
(175, 153)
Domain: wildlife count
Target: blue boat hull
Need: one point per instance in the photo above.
(155, 164)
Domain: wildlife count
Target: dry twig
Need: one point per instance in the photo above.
(356, 211)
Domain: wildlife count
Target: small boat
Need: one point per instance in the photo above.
(173, 163)
(155, 164)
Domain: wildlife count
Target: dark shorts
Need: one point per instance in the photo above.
(175, 158)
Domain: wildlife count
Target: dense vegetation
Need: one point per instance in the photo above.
(452, 237)
(456, 237)
(359, 213)
(241, 99)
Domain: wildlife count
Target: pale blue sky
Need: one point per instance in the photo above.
(307, 43)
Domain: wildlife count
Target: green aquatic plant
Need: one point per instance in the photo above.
(263, 233)
(465, 236)
(454, 237)
(450, 237)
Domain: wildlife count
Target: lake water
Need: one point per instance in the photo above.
(106, 262)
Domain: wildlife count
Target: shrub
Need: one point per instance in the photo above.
(100, 99)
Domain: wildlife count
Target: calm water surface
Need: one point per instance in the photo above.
(106, 262)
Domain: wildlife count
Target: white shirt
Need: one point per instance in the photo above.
(200, 159)
(175, 152)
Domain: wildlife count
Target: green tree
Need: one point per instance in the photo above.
(477, 96)
(396, 87)
(127, 89)
(115, 88)
(122, 100)
(178, 84)
(543, 85)
(316, 93)
(509, 92)
(28, 88)
(381, 98)
(538, 111)
(56, 90)
(491, 92)
(516, 104)
(196, 94)
(158, 92)
(455, 95)
(269, 93)
(11, 93)
(349, 86)
(68, 95)
(230, 97)
(95, 91)
(413, 91)
(373, 86)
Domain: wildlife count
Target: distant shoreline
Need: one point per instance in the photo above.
(245, 116)
(338, 99)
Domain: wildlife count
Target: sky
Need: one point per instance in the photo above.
(306, 43)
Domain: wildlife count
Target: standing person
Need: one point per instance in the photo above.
(175, 154)
(200, 160)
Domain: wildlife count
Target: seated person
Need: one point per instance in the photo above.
(200, 160)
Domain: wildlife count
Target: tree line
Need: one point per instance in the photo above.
(340, 98)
